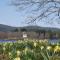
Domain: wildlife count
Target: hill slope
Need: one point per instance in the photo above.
(35, 28)
(7, 28)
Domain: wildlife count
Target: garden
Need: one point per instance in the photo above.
(29, 50)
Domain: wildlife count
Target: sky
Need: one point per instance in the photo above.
(10, 16)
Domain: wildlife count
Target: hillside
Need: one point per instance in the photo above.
(35, 28)
(6, 28)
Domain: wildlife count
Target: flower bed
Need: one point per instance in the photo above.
(29, 50)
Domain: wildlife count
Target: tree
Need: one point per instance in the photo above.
(40, 9)
(16, 30)
(23, 30)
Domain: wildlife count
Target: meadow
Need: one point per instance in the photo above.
(29, 50)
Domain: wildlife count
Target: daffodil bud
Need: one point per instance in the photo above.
(9, 53)
(4, 44)
(35, 44)
(18, 53)
(4, 48)
(26, 49)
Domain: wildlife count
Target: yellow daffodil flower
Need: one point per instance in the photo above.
(18, 53)
(49, 47)
(17, 58)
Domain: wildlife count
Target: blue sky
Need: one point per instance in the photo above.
(9, 16)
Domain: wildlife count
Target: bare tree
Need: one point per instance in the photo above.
(41, 8)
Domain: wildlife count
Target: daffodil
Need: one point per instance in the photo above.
(26, 49)
(9, 53)
(11, 44)
(35, 44)
(4, 48)
(49, 47)
(17, 58)
(4, 44)
(18, 53)
(42, 47)
(57, 49)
